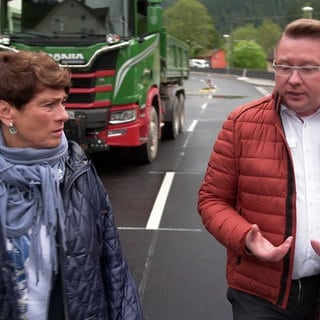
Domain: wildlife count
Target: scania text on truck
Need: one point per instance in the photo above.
(127, 72)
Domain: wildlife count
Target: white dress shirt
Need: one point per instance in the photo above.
(303, 137)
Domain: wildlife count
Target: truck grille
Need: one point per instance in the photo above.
(87, 79)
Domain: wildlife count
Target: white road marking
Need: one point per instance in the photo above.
(263, 91)
(195, 122)
(158, 207)
(162, 229)
(204, 106)
(192, 125)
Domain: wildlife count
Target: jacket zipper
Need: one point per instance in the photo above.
(62, 256)
(288, 231)
(64, 298)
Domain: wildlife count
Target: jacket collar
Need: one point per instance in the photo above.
(277, 98)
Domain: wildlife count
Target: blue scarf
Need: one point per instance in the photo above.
(30, 195)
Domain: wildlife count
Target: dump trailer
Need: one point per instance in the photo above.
(127, 71)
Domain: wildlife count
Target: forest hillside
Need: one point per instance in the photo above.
(229, 14)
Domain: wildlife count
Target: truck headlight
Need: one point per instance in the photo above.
(123, 116)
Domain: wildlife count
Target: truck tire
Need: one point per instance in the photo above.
(147, 152)
(171, 128)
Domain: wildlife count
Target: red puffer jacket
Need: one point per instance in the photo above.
(250, 180)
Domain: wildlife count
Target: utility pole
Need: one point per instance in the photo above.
(228, 47)
(307, 12)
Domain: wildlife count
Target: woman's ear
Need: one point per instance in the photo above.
(5, 112)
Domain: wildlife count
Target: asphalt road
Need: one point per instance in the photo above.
(178, 266)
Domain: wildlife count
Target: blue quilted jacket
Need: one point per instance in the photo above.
(94, 280)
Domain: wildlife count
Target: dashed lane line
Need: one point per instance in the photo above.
(158, 207)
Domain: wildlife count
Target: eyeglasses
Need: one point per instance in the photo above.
(304, 71)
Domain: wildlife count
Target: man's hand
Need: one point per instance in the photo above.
(316, 246)
(264, 249)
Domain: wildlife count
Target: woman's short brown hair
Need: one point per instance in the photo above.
(23, 74)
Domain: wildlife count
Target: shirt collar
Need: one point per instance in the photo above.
(293, 115)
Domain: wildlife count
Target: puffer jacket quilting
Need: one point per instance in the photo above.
(96, 281)
(96, 278)
(249, 180)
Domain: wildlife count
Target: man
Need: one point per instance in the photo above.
(260, 194)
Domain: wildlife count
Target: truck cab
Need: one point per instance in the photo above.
(127, 72)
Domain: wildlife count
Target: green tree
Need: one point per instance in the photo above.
(247, 32)
(189, 21)
(269, 34)
(231, 14)
(266, 35)
(249, 55)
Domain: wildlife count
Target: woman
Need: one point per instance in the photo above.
(60, 251)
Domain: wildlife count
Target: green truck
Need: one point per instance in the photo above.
(127, 72)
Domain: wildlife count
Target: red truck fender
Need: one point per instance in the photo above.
(153, 100)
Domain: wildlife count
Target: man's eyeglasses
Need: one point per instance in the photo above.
(305, 71)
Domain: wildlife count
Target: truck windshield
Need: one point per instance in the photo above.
(68, 18)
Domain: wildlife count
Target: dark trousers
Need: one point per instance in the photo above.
(302, 303)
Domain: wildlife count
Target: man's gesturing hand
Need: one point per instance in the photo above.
(316, 246)
(264, 249)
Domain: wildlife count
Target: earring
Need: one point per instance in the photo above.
(12, 128)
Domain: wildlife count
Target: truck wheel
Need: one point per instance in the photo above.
(147, 152)
(171, 128)
(181, 112)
